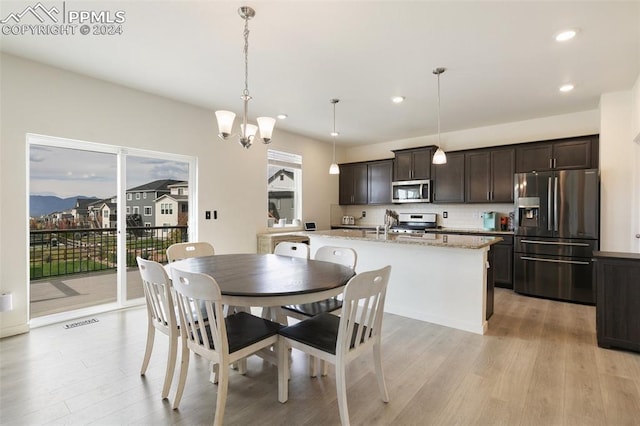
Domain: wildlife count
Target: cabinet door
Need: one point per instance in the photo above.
(575, 154)
(380, 182)
(346, 184)
(402, 166)
(478, 176)
(448, 180)
(502, 264)
(360, 184)
(534, 158)
(422, 164)
(502, 171)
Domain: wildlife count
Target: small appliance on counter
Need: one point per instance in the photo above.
(348, 220)
(490, 221)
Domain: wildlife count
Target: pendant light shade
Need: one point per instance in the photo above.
(439, 157)
(334, 169)
(225, 118)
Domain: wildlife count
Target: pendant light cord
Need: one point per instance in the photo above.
(439, 110)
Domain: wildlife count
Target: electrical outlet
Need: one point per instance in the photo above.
(207, 215)
(364, 213)
(445, 215)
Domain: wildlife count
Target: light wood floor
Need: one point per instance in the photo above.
(539, 365)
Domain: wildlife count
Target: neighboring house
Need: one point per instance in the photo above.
(180, 188)
(281, 187)
(141, 199)
(80, 211)
(108, 214)
(170, 208)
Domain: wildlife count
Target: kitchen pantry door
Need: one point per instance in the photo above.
(82, 252)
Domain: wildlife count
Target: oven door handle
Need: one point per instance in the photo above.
(551, 243)
(573, 262)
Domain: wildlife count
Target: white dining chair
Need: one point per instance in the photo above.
(179, 251)
(222, 340)
(339, 340)
(161, 316)
(343, 256)
(287, 248)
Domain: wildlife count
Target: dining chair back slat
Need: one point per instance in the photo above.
(341, 255)
(287, 248)
(179, 251)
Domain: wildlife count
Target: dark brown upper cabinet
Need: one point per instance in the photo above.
(448, 179)
(489, 175)
(559, 154)
(379, 174)
(353, 183)
(412, 164)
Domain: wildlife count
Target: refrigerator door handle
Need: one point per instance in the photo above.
(573, 262)
(549, 201)
(555, 204)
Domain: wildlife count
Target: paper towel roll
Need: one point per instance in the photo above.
(6, 302)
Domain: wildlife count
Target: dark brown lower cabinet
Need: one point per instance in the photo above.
(617, 277)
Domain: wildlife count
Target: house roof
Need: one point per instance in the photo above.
(175, 197)
(156, 185)
(279, 173)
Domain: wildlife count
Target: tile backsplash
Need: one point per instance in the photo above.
(462, 216)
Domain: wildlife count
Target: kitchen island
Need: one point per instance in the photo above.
(438, 278)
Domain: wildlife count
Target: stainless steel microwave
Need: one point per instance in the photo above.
(411, 191)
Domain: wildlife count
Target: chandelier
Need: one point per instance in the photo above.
(439, 157)
(225, 118)
(334, 169)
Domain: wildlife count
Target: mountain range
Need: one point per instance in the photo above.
(44, 204)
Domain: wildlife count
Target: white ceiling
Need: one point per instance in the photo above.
(502, 61)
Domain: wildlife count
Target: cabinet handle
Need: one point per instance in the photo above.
(553, 243)
(551, 163)
(572, 262)
(488, 195)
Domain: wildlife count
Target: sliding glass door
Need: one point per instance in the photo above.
(93, 209)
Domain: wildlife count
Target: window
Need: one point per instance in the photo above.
(129, 196)
(128, 210)
(136, 210)
(284, 185)
(166, 208)
(105, 214)
(147, 210)
(137, 195)
(147, 224)
(144, 195)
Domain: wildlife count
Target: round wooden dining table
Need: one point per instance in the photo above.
(269, 280)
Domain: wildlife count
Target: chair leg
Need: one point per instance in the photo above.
(184, 368)
(341, 391)
(283, 370)
(171, 365)
(313, 366)
(213, 377)
(324, 367)
(377, 360)
(221, 400)
(151, 332)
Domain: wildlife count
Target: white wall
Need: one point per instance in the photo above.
(617, 164)
(50, 101)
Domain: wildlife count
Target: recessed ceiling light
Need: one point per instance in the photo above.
(397, 99)
(566, 88)
(281, 116)
(566, 35)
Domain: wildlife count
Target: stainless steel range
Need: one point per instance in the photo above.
(414, 223)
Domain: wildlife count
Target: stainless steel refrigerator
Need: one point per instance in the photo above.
(557, 229)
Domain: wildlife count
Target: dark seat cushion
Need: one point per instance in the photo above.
(320, 332)
(316, 308)
(244, 329)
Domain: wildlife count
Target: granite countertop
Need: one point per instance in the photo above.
(469, 231)
(431, 239)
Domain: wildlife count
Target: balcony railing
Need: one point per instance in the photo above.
(74, 251)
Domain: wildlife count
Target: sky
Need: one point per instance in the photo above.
(68, 173)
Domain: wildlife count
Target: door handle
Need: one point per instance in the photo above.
(549, 200)
(637, 235)
(551, 243)
(573, 262)
(555, 204)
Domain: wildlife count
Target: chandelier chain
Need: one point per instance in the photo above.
(246, 56)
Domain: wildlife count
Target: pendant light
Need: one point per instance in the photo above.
(334, 169)
(225, 118)
(439, 157)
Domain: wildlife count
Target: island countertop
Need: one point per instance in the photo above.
(428, 239)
